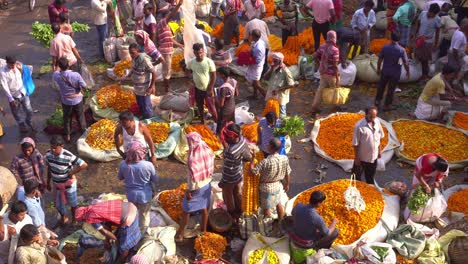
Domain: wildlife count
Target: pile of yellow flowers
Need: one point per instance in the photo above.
(115, 97)
(336, 135)
(422, 137)
(171, 201)
(458, 203)
(258, 254)
(250, 132)
(101, 135)
(210, 245)
(123, 65)
(250, 192)
(175, 64)
(208, 136)
(350, 223)
(159, 131)
(275, 42)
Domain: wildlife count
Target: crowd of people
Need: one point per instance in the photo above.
(123, 224)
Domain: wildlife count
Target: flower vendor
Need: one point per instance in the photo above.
(324, 15)
(254, 70)
(17, 217)
(266, 125)
(391, 55)
(231, 21)
(200, 163)
(236, 152)
(368, 133)
(309, 229)
(32, 250)
(433, 103)
(129, 130)
(274, 173)
(114, 213)
(328, 57)
(140, 176)
(429, 171)
(392, 6)
(147, 46)
(63, 167)
(404, 17)
(289, 17)
(225, 99)
(280, 81)
(253, 9)
(262, 26)
(362, 22)
(346, 39)
(457, 49)
(143, 79)
(28, 165)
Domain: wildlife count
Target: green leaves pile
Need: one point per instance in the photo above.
(418, 200)
(291, 126)
(56, 119)
(42, 32)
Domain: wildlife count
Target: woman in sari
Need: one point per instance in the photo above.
(147, 45)
(198, 195)
(429, 171)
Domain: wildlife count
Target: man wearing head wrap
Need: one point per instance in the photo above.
(140, 176)
(200, 163)
(236, 152)
(253, 9)
(280, 80)
(327, 56)
(28, 165)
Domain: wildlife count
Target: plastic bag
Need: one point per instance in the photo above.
(348, 74)
(335, 96)
(369, 253)
(178, 102)
(381, 20)
(366, 66)
(87, 76)
(306, 67)
(243, 116)
(434, 208)
(380, 164)
(353, 197)
(432, 253)
(280, 247)
(408, 240)
(415, 72)
(27, 80)
(110, 50)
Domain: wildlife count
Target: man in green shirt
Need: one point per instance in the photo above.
(404, 17)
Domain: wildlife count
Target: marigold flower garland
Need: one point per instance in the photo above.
(250, 192)
(250, 132)
(101, 135)
(421, 137)
(351, 224)
(272, 105)
(336, 135)
(458, 202)
(171, 201)
(116, 97)
(208, 136)
(210, 245)
(159, 131)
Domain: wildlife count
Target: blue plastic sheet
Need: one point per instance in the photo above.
(27, 80)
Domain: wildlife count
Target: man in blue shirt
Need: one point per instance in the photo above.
(33, 202)
(393, 56)
(139, 176)
(309, 228)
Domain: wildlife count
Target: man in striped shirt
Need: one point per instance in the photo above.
(165, 42)
(288, 18)
(63, 165)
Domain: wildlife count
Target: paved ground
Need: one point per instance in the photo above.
(15, 26)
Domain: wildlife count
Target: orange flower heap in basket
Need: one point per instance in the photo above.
(175, 64)
(250, 132)
(458, 203)
(210, 245)
(210, 139)
(336, 135)
(272, 105)
(116, 97)
(460, 120)
(120, 68)
(351, 224)
(421, 137)
(159, 131)
(171, 201)
(101, 135)
(250, 192)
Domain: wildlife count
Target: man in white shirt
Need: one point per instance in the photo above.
(99, 11)
(457, 49)
(263, 28)
(18, 216)
(254, 9)
(12, 82)
(362, 22)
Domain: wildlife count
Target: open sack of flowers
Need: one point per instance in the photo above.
(353, 226)
(418, 137)
(332, 137)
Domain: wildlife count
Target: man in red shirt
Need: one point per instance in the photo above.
(57, 7)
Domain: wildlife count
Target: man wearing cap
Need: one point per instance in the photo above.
(280, 80)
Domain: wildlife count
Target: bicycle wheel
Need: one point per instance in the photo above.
(32, 3)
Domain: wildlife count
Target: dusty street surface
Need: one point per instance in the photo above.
(15, 25)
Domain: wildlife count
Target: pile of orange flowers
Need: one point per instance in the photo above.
(272, 105)
(171, 201)
(250, 132)
(376, 45)
(244, 47)
(269, 7)
(458, 203)
(123, 65)
(101, 135)
(460, 120)
(159, 131)
(250, 192)
(175, 64)
(336, 134)
(275, 42)
(291, 50)
(421, 137)
(306, 40)
(218, 32)
(208, 136)
(210, 245)
(115, 97)
(352, 225)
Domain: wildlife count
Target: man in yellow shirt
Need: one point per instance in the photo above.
(433, 102)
